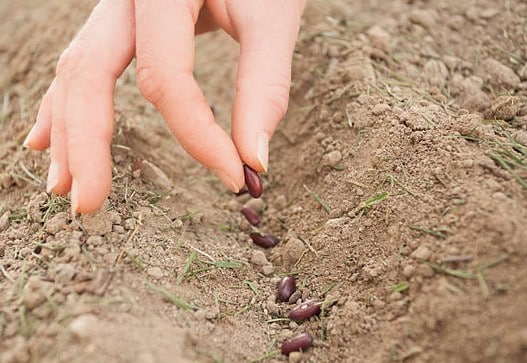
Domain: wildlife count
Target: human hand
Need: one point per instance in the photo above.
(76, 115)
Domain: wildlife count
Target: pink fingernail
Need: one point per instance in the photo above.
(227, 180)
(29, 136)
(53, 177)
(74, 194)
(262, 150)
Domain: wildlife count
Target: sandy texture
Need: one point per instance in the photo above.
(397, 186)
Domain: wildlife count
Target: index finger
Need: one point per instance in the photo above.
(165, 57)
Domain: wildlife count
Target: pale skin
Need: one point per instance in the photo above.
(76, 116)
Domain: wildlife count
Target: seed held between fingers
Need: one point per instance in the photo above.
(296, 344)
(305, 310)
(253, 181)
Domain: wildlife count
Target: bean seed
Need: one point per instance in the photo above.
(298, 343)
(286, 288)
(305, 310)
(253, 181)
(265, 241)
(251, 215)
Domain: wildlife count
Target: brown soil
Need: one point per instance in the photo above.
(397, 185)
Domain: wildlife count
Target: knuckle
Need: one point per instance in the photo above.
(150, 83)
(70, 61)
(278, 97)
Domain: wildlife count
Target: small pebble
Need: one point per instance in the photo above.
(64, 273)
(83, 326)
(280, 202)
(258, 258)
(268, 270)
(332, 158)
(380, 108)
(498, 74)
(295, 357)
(153, 174)
(155, 272)
(295, 297)
(96, 224)
(422, 253)
(57, 222)
(118, 229)
(129, 224)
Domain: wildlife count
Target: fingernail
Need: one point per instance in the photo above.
(227, 180)
(53, 177)
(74, 194)
(262, 151)
(29, 136)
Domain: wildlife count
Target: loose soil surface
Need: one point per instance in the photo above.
(397, 185)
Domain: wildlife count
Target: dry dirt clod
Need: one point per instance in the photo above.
(295, 357)
(83, 326)
(422, 253)
(258, 258)
(155, 272)
(499, 74)
(151, 173)
(358, 68)
(35, 292)
(57, 222)
(504, 108)
(64, 273)
(379, 37)
(294, 248)
(34, 211)
(268, 270)
(96, 224)
(332, 158)
(17, 352)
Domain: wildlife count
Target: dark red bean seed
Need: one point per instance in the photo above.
(305, 310)
(253, 181)
(296, 344)
(265, 241)
(286, 288)
(251, 215)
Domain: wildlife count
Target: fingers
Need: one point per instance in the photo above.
(39, 136)
(82, 112)
(205, 22)
(59, 176)
(264, 75)
(165, 55)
